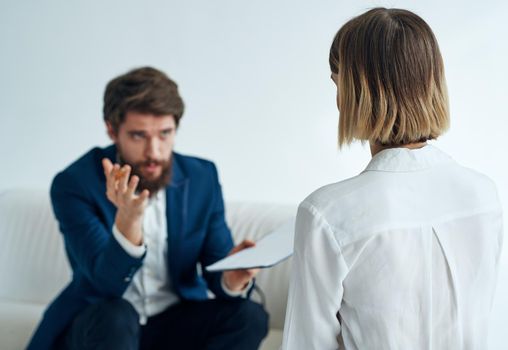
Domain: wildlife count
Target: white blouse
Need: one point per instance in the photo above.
(403, 256)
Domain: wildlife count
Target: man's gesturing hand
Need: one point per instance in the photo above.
(130, 206)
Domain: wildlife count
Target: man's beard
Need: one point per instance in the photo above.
(145, 184)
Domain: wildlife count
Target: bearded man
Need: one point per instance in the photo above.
(137, 220)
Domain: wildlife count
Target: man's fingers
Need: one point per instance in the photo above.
(121, 187)
(123, 178)
(114, 176)
(247, 243)
(107, 166)
(143, 196)
(236, 279)
(108, 169)
(253, 272)
(133, 183)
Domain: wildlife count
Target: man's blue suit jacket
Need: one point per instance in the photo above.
(197, 232)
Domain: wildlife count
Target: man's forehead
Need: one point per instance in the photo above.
(145, 121)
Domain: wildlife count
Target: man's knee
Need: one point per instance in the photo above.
(253, 317)
(117, 316)
(111, 324)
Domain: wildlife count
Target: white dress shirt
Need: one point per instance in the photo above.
(150, 290)
(403, 256)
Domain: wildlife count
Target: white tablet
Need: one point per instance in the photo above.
(270, 250)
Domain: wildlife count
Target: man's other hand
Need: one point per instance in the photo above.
(237, 280)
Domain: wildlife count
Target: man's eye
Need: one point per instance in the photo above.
(166, 133)
(137, 136)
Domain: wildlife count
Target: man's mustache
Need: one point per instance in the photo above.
(152, 162)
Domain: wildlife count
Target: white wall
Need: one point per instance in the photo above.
(255, 79)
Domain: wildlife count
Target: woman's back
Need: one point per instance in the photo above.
(406, 253)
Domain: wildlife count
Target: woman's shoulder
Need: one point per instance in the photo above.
(339, 191)
(337, 201)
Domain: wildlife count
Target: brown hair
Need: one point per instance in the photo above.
(390, 79)
(143, 90)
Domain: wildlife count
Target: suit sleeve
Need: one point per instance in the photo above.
(315, 290)
(218, 243)
(91, 247)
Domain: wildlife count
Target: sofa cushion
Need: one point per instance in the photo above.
(273, 340)
(17, 322)
(33, 265)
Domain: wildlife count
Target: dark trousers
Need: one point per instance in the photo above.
(211, 325)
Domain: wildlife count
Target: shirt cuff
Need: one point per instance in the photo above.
(136, 251)
(236, 293)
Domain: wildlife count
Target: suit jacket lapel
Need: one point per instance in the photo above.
(176, 214)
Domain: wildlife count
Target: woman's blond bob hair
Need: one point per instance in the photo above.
(391, 87)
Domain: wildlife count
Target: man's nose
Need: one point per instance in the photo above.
(152, 148)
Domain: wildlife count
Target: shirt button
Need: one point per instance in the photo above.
(127, 279)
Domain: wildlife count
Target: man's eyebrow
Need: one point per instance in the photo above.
(133, 132)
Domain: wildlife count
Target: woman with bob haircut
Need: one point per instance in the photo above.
(405, 254)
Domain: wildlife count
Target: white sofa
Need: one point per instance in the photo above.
(33, 265)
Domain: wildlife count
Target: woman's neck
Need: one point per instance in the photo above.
(376, 147)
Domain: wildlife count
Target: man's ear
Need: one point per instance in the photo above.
(111, 132)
